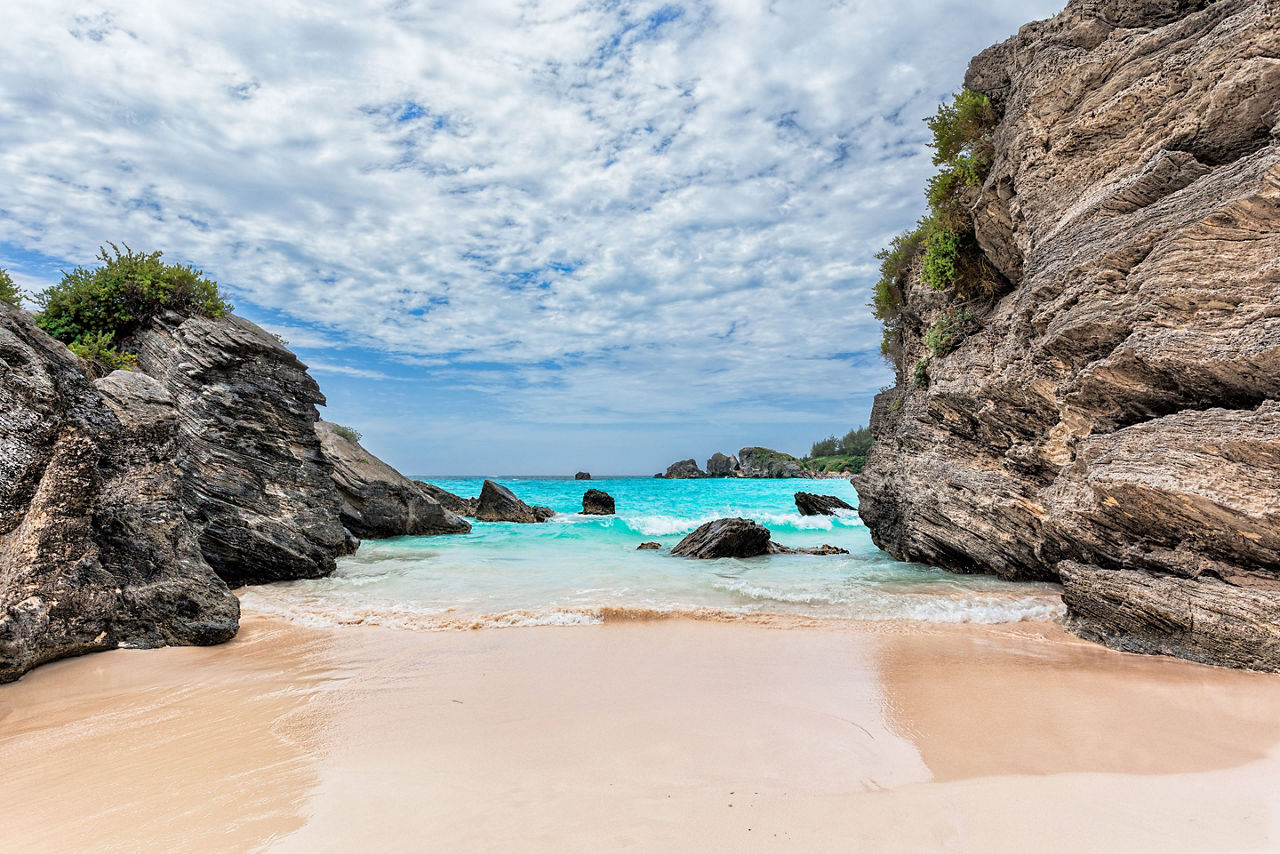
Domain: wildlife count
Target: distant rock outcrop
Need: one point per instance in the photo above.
(1111, 420)
(582, 475)
(684, 470)
(499, 504)
(597, 503)
(95, 549)
(253, 478)
(819, 505)
(378, 501)
(453, 503)
(766, 462)
(720, 465)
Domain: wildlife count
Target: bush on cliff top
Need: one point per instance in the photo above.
(92, 310)
(8, 290)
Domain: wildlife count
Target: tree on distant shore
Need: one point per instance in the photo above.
(855, 443)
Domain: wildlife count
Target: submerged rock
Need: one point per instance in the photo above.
(683, 470)
(648, 547)
(95, 549)
(597, 503)
(1111, 420)
(453, 503)
(252, 476)
(499, 504)
(720, 465)
(821, 550)
(582, 475)
(819, 505)
(378, 501)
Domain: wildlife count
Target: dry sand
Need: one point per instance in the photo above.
(662, 736)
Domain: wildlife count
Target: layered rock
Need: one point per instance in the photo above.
(95, 549)
(596, 502)
(720, 465)
(378, 501)
(819, 505)
(684, 470)
(499, 504)
(740, 538)
(1111, 422)
(766, 462)
(253, 477)
(453, 503)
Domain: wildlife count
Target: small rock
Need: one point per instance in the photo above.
(725, 538)
(582, 475)
(644, 547)
(819, 505)
(597, 503)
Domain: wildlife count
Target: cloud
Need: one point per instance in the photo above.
(587, 210)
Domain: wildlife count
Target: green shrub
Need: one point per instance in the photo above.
(97, 308)
(8, 290)
(351, 434)
(96, 349)
(948, 330)
(920, 373)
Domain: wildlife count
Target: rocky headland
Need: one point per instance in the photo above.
(753, 462)
(1103, 411)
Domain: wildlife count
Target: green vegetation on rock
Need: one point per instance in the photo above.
(351, 434)
(8, 290)
(837, 463)
(93, 310)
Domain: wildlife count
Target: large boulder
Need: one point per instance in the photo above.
(499, 504)
(810, 504)
(1111, 421)
(684, 470)
(726, 538)
(720, 465)
(252, 476)
(378, 501)
(597, 503)
(766, 462)
(453, 503)
(95, 549)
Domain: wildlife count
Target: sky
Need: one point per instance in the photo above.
(515, 237)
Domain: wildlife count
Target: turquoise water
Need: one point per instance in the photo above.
(576, 570)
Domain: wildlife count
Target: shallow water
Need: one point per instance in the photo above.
(577, 570)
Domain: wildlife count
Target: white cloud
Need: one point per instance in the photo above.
(633, 205)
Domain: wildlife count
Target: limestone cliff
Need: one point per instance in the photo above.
(1110, 420)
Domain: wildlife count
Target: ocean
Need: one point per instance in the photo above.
(583, 570)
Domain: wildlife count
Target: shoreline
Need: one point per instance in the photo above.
(977, 737)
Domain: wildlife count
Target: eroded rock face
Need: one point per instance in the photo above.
(720, 465)
(95, 550)
(684, 470)
(819, 505)
(499, 504)
(377, 501)
(1112, 423)
(253, 477)
(596, 502)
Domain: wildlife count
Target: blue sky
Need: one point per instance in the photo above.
(508, 237)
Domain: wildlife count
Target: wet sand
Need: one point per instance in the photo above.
(667, 735)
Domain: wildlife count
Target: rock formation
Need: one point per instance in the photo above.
(582, 475)
(684, 470)
(378, 501)
(499, 504)
(597, 503)
(253, 478)
(95, 550)
(766, 462)
(819, 505)
(646, 547)
(1111, 420)
(721, 466)
(453, 503)
(725, 538)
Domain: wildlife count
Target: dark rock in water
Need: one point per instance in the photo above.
(1109, 418)
(453, 503)
(582, 475)
(723, 466)
(659, 474)
(725, 538)
(819, 505)
(95, 550)
(377, 501)
(648, 547)
(768, 463)
(684, 470)
(597, 503)
(253, 477)
(499, 504)
(823, 549)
